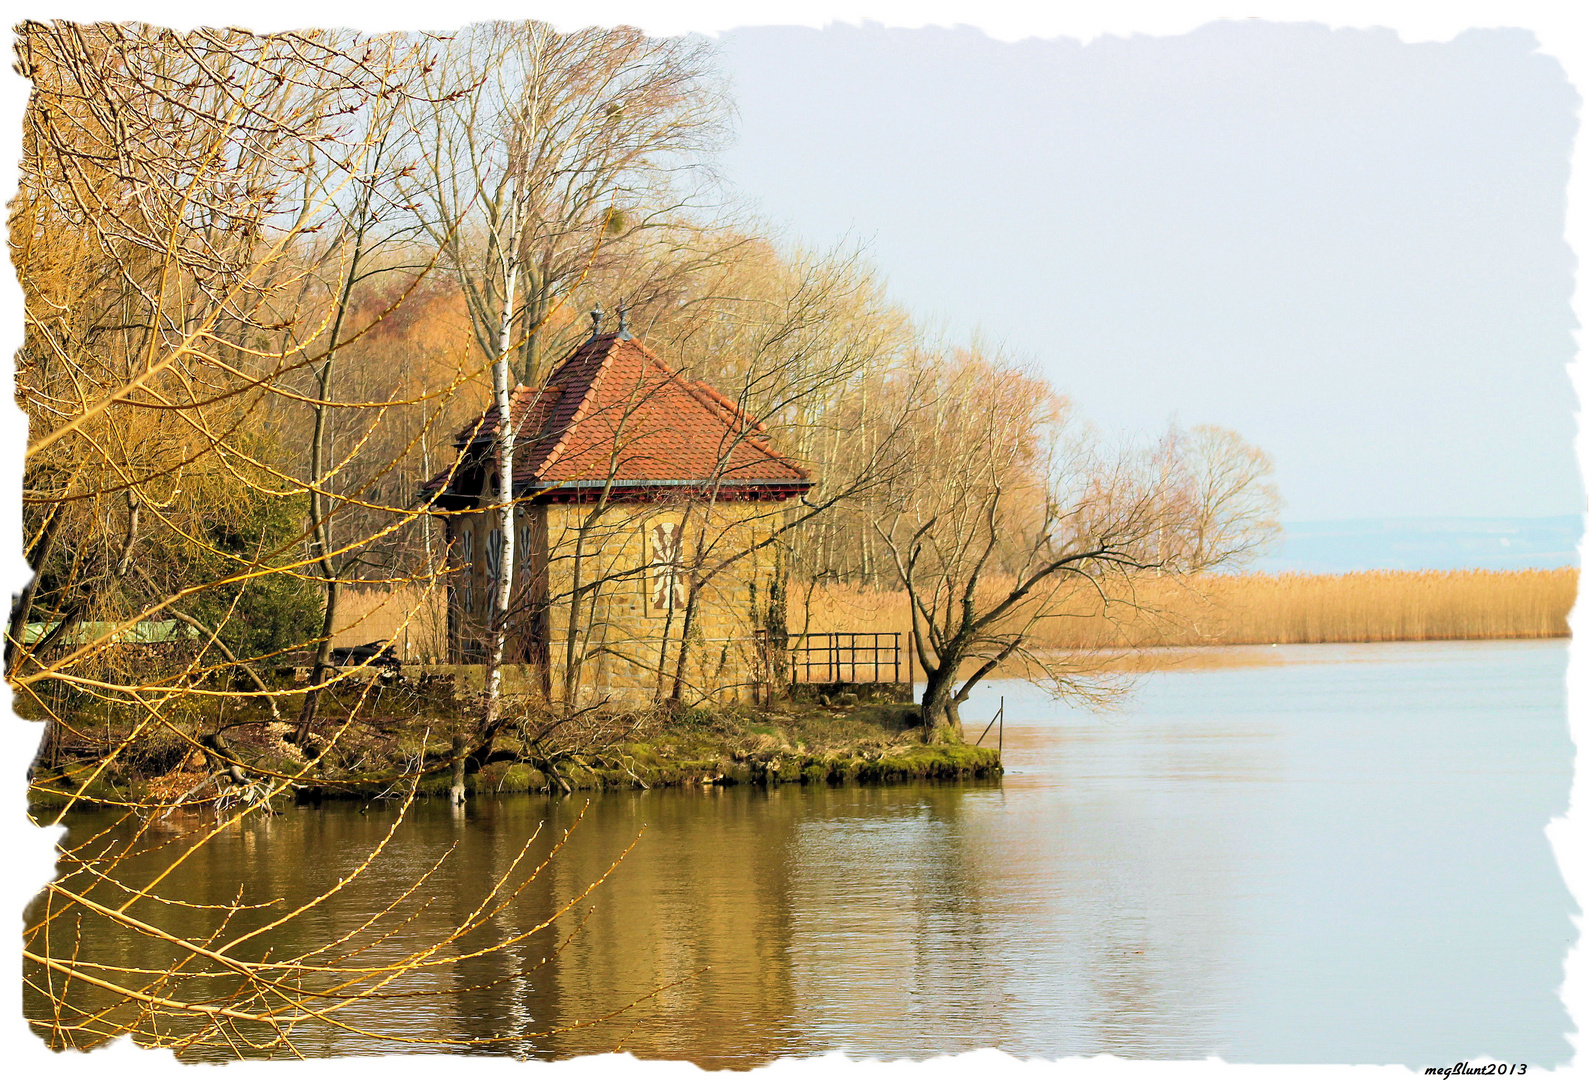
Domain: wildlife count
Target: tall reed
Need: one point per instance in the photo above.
(1261, 609)
(412, 618)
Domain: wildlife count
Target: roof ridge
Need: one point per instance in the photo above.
(717, 399)
(682, 429)
(734, 410)
(581, 410)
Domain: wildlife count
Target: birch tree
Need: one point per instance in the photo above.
(570, 142)
(613, 133)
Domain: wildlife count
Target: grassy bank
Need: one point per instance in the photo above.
(379, 756)
(1262, 609)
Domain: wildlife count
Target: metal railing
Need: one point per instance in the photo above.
(861, 657)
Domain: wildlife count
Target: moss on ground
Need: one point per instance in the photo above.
(377, 757)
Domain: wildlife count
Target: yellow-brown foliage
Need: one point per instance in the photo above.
(1262, 609)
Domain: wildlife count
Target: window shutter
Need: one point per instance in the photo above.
(494, 561)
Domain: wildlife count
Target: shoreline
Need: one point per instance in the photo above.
(868, 742)
(863, 743)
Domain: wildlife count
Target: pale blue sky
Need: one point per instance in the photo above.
(1346, 247)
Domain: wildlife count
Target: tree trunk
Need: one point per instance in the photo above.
(504, 585)
(688, 622)
(530, 350)
(322, 534)
(455, 791)
(941, 710)
(681, 654)
(571, 650)
(306, 715)
(23, 607)
(540, 607)
(319, 510)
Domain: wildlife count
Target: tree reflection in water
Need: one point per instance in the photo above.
(1250, 862)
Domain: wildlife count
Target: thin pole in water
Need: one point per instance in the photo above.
(1001, 735)
(992, 719)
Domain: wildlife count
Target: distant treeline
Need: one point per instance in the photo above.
(1262, 609)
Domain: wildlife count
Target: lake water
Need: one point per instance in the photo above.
(1336, 855)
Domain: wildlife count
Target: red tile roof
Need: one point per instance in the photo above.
(612, 411)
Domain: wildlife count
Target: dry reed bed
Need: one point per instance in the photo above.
(1262, 609)
(1247, 609)
(411, 616)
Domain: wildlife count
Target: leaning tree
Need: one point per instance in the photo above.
(1012, 514)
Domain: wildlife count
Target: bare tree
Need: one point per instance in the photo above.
(362, 231)
(800, 377)
(1237, 507)
(178, 193)
(1010, 511)
(793, 341)
(574, 141)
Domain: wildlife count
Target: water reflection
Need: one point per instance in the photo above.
(1335, 857)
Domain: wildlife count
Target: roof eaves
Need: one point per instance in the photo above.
(619, 486)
